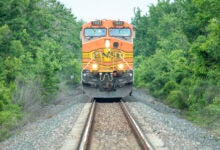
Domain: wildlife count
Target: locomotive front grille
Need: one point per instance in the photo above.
(107, 59)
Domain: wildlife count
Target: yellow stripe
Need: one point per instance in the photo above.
(107, 65)
(91, 54)
(85, 55)
(128, 55)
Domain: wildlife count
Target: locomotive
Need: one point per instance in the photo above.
(107, 58)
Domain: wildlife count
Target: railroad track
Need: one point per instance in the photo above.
(111, 126)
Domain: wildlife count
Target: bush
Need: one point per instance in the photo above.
(169, 86)
(176, 99)
(8, 120)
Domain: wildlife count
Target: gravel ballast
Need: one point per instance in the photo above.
(166, 124)
(163, 125)
(50, 130)
(111, 129)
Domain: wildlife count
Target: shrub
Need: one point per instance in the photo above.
(8, 120)
(176, 99)
(169, 86)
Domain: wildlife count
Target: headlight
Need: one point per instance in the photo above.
(120, 66)
(94, 66)
(107, 43)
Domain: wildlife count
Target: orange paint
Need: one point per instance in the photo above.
(94, 49)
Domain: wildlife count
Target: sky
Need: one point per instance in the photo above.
(89, 10)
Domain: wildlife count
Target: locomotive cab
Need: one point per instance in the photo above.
(107, 58)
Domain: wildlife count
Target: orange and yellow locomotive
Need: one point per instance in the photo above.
(107, 58)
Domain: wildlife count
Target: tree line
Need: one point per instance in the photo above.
(39, 49)
(177, 56)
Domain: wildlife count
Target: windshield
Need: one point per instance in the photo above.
(95, 32)
(119, 32)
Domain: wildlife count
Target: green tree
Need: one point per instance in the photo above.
(39, 48)
(177, 56)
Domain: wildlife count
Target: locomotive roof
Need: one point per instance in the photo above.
(107, 23)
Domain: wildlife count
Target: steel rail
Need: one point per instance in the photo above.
(144, 141)
(86, 133)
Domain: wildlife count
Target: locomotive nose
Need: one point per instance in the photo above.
(107, 58)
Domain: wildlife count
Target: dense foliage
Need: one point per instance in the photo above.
(39, 48)
(177, 51)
